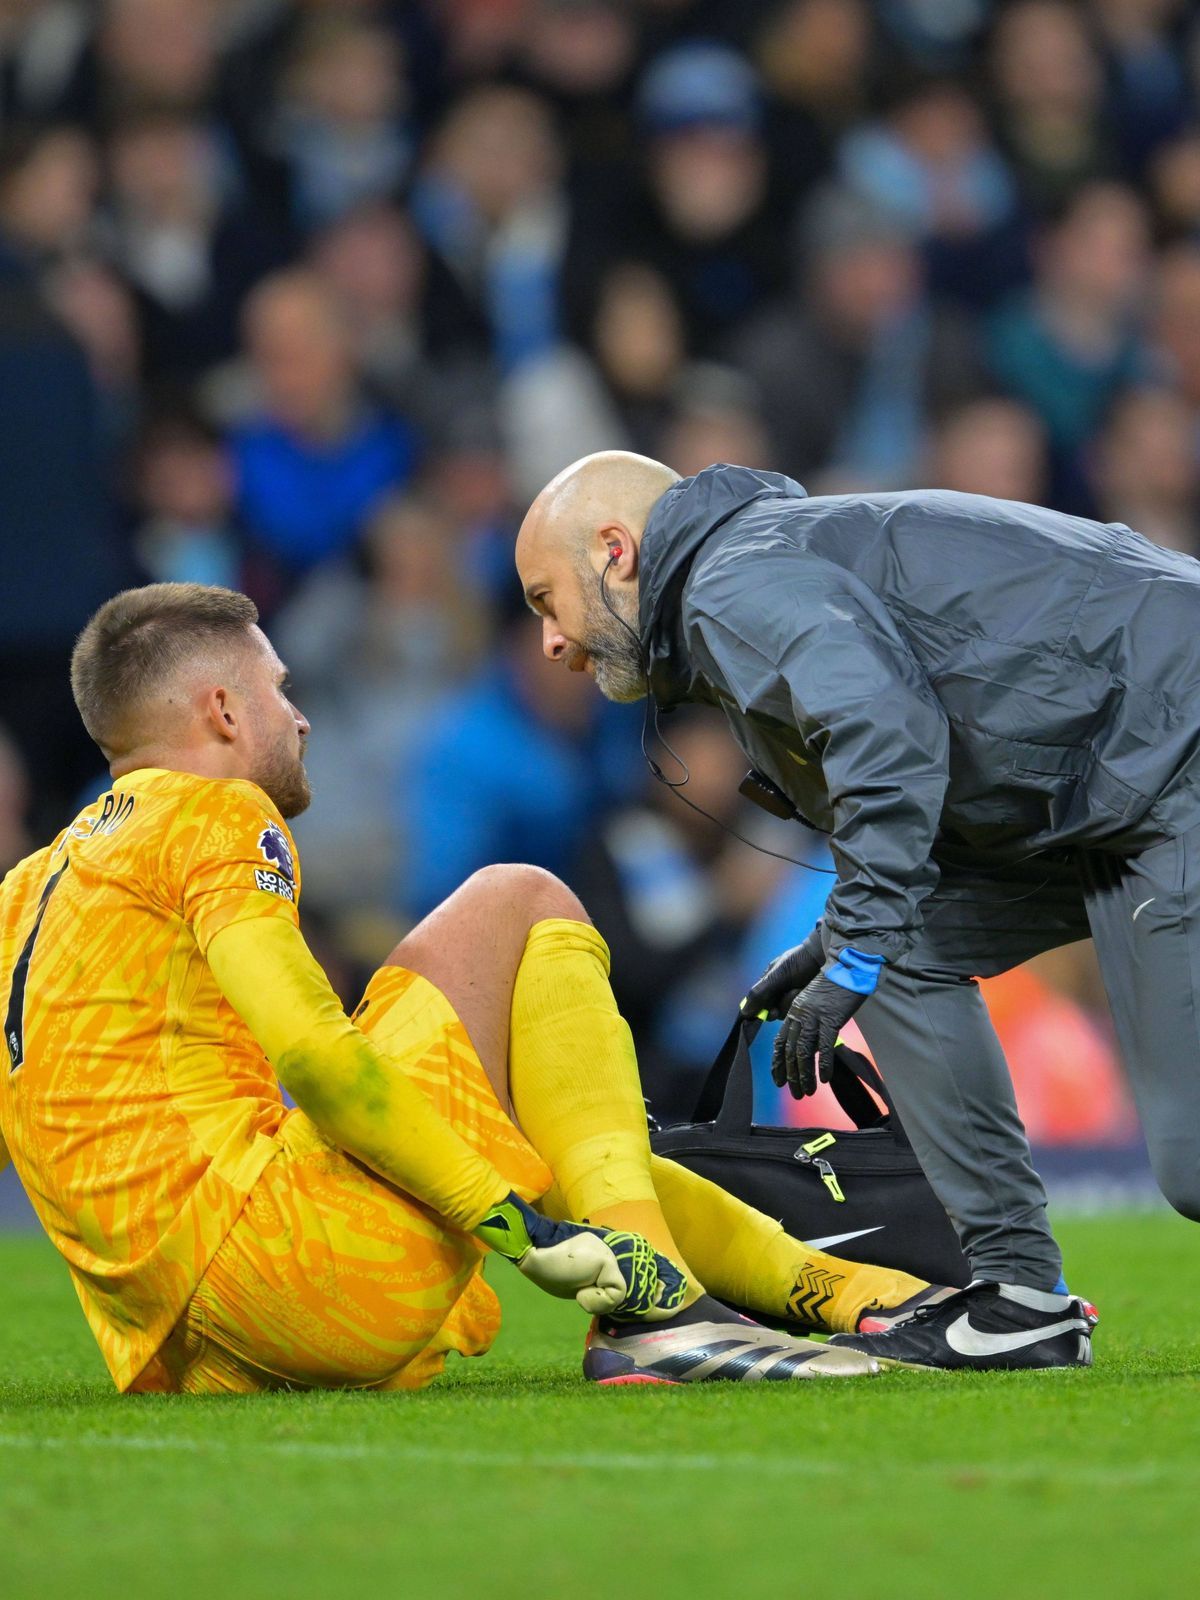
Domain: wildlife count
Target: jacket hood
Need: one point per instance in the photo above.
(690, 512)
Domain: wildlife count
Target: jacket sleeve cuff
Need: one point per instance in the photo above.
(890, 944)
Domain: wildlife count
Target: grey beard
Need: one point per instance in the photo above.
(614, 651)
(620, 679)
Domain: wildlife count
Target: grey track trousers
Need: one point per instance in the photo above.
(929, 1029)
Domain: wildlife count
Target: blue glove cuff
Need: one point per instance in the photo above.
(855, 971)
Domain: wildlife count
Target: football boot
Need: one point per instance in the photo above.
(708, 1343)
(985, 1327)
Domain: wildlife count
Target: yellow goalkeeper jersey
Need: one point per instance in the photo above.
(135, 1103)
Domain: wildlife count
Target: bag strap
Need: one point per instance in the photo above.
(852, 1070)
(727, 1094)
(726, 1097)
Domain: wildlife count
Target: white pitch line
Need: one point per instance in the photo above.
(973, 1472)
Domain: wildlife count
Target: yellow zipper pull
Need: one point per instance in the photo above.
(830, 1179)
(808, 1154)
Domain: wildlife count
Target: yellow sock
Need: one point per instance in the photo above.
(747, 1258)
(573, 1079)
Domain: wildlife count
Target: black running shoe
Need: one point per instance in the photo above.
(710, 1343)
(986, 1327)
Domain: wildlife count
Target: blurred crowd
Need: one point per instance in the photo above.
(310, 297)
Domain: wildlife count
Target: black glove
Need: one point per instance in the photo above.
(815, 1018)
(794, 970)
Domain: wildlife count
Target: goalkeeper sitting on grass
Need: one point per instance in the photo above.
(484, 1095)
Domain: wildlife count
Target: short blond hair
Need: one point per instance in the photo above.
(139, 638)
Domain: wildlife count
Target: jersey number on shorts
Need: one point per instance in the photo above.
(14, 1021)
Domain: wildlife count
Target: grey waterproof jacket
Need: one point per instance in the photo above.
(929, 674)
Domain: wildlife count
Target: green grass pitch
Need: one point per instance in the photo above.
(512, 1480)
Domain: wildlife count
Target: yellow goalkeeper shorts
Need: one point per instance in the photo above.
(332, 1278)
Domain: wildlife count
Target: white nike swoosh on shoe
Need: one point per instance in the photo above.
(831, 1239)
(1143, 906)
(969, 1341)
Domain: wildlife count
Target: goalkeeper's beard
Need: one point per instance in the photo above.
(281, 775)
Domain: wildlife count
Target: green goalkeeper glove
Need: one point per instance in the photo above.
(608, 1272)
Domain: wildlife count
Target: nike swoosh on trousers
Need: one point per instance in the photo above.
(969, 1341)
(831, 1239)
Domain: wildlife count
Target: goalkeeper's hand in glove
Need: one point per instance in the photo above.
(609, 1272)
(816, 1016)
(794, 970)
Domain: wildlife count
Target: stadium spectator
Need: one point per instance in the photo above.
(931, 163)
(990, 446)
(58, 522)
(156, 55)
(1067, 345)
(578, 56)
(513, 766)
(97, 306)
(621, 385)
(1047, 82)
(815, 61)
(44, 61)
(483, 37)
(707, 212)
(317, 458)
(1174, 184)
(48, 187)
(1144, 468)
(341, 127)
(184, 491)
(399, 623)
(640, 345)
(935, 37)
(374, 261)
(373, 646)
(715, 418)
(183, 239)
(1176, 321)
(468, 475)
(490, 205)
(849, 366)
(1147, 89)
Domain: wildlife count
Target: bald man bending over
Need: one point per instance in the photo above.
(994, 712)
